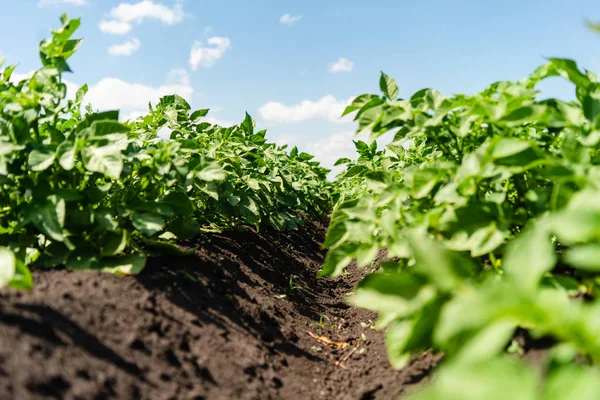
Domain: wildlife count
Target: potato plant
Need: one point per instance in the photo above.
(81, 189)
(490, 220)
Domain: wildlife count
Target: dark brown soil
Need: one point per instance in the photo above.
(222, 324)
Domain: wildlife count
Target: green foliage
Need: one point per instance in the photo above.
(487, 206)
(81, 189)
(593, 26)
(504, 378)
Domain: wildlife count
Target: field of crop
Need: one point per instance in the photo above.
(461, 261)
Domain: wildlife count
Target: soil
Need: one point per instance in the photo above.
(222, 324)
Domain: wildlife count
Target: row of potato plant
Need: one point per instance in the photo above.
(488, 208)
(81, 189)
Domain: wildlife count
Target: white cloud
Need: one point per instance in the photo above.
(133, 98)
(123, 15)
(126, 48)
(178, 76)
(205, 56)
(334, 147)
(130, 98)
(327, 108)
(42, 3)
(147, 9)
(114, 27)
(289, 20)
(341, 65)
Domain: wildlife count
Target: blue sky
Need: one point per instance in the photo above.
(237, 56)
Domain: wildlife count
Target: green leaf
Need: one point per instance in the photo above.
(422, 182)
(66, 155)
(185, 228)
(591, 105)
(248, 124)
(161, 247)
(81, 92)
(388, 86)
(487, 343)
(496, 379)
(482, 241)
(425, 322)
(361, 146)
(250, 210)
(8, 265)
(40, 159)
(233, 199)
(180, 203)
(360, 213)
(593, 26)
(104, 116)
(529, 257)
(523, 114)
(507, 147)
(49, 219)
(106, 160)
(305, 156)
(8, 71)
(517, 153)
(114, 243)
(400, 293)
(22, 280)
(572, 382)
(211, 172)
(572, 149)
(175, 102)
(148, 224)
(335, 262)
(397, 335)
(107, 127)
(360, 102)
(105, 220)
(196, 115)
(446, 269)
(576, 226)
(81, 260)
(365, 255)
(585, 257)
(566, 283)
(341, 161)
(569, 70)
(337, 233)
(127, 265)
